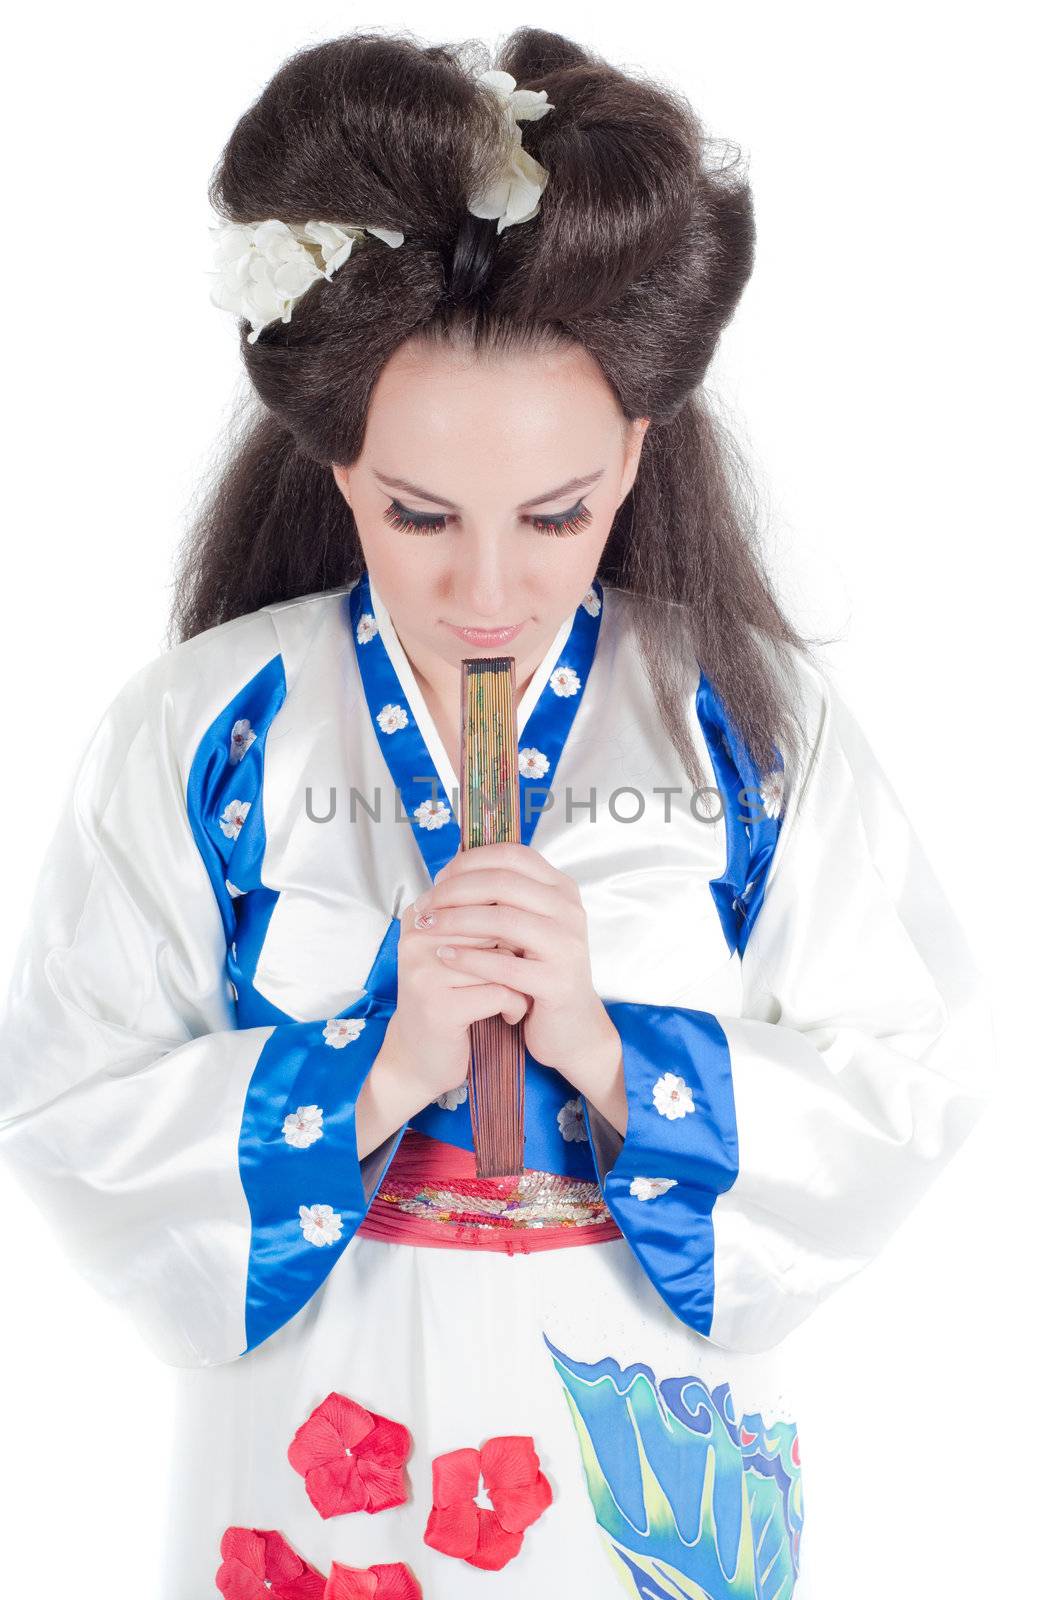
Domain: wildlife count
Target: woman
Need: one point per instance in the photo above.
(235, 1053)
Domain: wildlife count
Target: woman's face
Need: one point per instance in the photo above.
(485, 493)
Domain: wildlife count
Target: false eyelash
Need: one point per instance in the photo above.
(573, 521)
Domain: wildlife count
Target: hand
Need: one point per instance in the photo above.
(429, 1031)
(510, 895)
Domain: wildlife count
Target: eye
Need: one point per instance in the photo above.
(565, 523)
(413, 521)
(573, 521)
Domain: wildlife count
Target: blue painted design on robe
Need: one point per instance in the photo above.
(692, 1500)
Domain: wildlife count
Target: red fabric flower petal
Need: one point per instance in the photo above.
(251, 1556)
(336, 1488)
(517, 1509)
(508, 1460)
(383, 1486)
(453, 1529)
(459, 1526)
(518, 1490)
(389, 1441)
(392, 1580)
(337, 1422)
(495, 1545)
(351, 1459)
(455, 1476)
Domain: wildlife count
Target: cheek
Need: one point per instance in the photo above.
(408, 567)
(568, 564)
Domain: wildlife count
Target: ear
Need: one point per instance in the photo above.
(637, 430)
(340, 475)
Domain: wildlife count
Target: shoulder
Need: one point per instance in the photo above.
(805, 686)
(248, 663)
(802, 682)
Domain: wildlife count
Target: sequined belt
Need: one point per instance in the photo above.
(430, 1196)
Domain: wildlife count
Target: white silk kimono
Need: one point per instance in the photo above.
(206, 978)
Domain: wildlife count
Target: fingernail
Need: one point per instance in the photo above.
(425, 920)
(446, 951)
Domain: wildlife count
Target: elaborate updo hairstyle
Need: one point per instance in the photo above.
(639, 253)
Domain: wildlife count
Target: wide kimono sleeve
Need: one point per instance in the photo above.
(203, 1176)
(768, 1156)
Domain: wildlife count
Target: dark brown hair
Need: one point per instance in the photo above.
(640, 252)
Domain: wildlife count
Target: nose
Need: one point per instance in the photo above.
(484, 582)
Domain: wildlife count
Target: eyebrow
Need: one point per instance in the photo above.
(537, 500)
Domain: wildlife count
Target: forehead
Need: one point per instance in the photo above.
(522, 408)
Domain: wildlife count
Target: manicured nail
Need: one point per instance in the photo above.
(426, 919)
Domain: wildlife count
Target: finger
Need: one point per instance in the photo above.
(527, 977)
(508, 856)
(504, 924)
(501, 886)
(515, 1012)
(430, 971)
(428, 935)
(455, 979)
(411, 933)
(491, 1000)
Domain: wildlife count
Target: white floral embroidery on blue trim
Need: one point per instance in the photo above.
(391, 718)
(367, 629)
(339, 1031)
(241, 739)
(650, 1188)
(564, 681)
(591, 603)
(432, 814)
(450, 1099)
(532, 763)
(571, 1121)
(672, 1097)
(233, 818)
(303, 1126)
(321, 1225)
(771, 792)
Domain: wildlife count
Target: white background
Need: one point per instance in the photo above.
(894, 372)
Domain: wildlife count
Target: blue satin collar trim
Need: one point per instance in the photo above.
(748, 800)
(224, 803)
(402, 744)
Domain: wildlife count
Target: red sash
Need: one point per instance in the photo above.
(431, 1195)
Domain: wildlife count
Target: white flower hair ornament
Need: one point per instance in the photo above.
(514, 194)
(262, 268)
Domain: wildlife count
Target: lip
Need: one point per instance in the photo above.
(486, 636)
